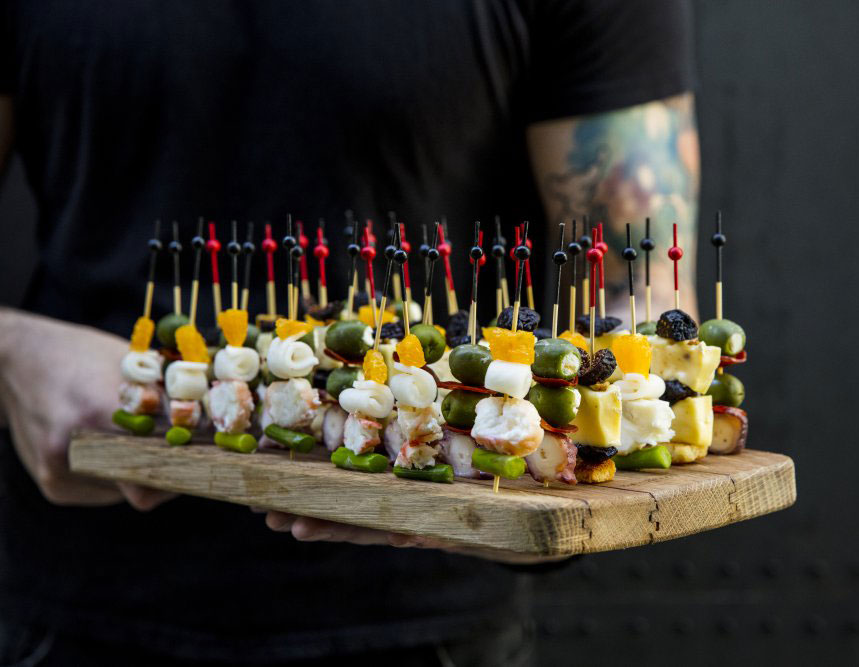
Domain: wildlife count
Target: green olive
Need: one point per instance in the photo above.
(340, 379)
(166, 329)
(725, 334)
(727, 389)
(459, 406)
(308, 340)
(556, 358)
(250, 339)
(646, 328)
(431, 341)
(348, 338)
(468, 364)
(557, 405)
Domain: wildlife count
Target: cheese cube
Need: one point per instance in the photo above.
(599, 418)
(693, 421)
(691, 362)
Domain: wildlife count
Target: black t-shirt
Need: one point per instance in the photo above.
(142, 109)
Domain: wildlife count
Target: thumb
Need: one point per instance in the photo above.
(143, 498)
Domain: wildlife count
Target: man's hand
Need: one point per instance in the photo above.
(56, 378)
(306, 529)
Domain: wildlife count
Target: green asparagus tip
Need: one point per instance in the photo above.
(244, 443)
(178, 436)
(136, 424)
(649, 457)
(442, 473)
(503, 465)
(349, 460)
(299, 442)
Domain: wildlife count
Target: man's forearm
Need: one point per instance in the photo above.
(622, 167)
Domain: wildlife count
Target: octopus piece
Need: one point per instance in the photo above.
(413, 386)
(139, 399)
(420, 424)
(141, 367)
(186, 380)
(290, 358)
(361, 434)
(185, 413)
(368, 398)
(393, 439)
(456, 449)
(292, 404)
(553, 460)
(507, 426)
(236, 363)
(333, 426)
(231, 405)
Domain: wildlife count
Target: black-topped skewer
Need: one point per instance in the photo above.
(289, 242)
(718, 240)
(629, 255)
(234, 249)
(499, 252)
(574, 249)
(647, 245)
(198, 243)
(175, 250)
(559, 257)
(248, 249)
(476, 256)
(432, 255)
(586, 242)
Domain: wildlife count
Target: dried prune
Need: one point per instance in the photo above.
(393, 331)
(676, 325)
(320, 378)
(542, 334)
(676, 391)
(602, 325)
(590, 454)
(456, 331)
(330, 311)
(599, 368)
(528, 319)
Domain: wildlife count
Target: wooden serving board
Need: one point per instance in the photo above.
(636, 508)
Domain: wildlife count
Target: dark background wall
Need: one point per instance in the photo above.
(779, 116)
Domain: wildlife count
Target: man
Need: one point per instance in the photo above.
(124, 112)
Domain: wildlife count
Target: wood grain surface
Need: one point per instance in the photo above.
(636, 508)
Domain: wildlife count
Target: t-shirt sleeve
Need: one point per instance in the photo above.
(590, 56)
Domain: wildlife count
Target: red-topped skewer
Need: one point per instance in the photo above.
(303, 243)
(444, 250)
(269, 245)
(675, 252)
(321, 252)
(213, 247)
(406, 247)
(602, 246)
(368, 254)
(594, 257)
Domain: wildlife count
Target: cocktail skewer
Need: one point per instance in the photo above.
(368, 254)
(629, 255)
(718, 240)
(502, 294)
(647, 245)
(154, 248)
(444, 249)
(213, 247)
(594, 256)
(269, 246)
(392, 233)
(559, 257)
(303, 243)
(406, 247)
(675, 252)
(574, 249)
(603, 247)
(198, 243)
(477, 258)
(234, 248)
(431, 257)
(289, 242)
(353, 249)
(586, 241)
(320, 251)
(175, 249)
(248, 249)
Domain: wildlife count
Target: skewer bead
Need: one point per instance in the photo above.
(594, 255)
(675, 253)
(320, 251)
(401, 256)
(248, 247)
(574, 248)
(289, 241)
(444, 249)
(389, 252)
(198, 243)
(234, 247)
(647, 244)
(602, 246)
(175, 247)
(433, 254)
(476, 253)
(718, 239)
(297, 251)
(629, 254)
(353, 249)
(522, 253)
(368, 253)
(424, 250)
(213, 245)
(586, 241)
(559, 257)
(497, 251)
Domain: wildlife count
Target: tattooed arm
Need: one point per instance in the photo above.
(623, 166)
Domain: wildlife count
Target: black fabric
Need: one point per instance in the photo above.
(142, 109)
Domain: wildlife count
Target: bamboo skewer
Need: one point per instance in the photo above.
(406, 247)
(675, 252)
(289, 242)
(303, 243)
(647, 245)
(629, 255)
(353, 249)
(213, 247)
(586, 241)
(574, 249)
(154, 248)
(432, 254)
(234, 248)
(559, 257)
(321, 252)
(175, 250)
(248, 249)
(444, 249)
(477, 258)
(198, 243)
(269, 246)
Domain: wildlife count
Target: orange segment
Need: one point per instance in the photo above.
(374, 367)
(141, 337)
(633, 353)
(286, 328)
(575, 338)
(191, 345)
(365, 314)
(234, 324)
(515, 347)
(411, 352)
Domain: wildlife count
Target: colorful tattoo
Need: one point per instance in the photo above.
(624, 166)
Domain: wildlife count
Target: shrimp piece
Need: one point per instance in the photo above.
(185, 413)
(361, 434)
(139, 399)
(554, 459)
(292, 404)
(231, 404)
(420, 424)
(507, 426)
(416, 455)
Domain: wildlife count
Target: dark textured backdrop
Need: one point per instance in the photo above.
(779, 116)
